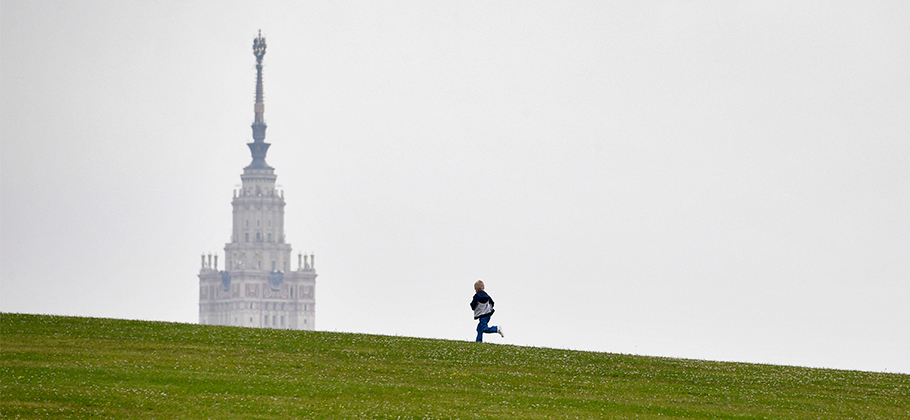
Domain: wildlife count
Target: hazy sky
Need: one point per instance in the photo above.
(713, 180)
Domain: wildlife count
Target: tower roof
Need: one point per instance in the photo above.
(259, 148)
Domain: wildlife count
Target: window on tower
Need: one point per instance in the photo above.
(246, 237)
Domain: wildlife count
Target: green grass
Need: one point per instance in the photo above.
(69, 367)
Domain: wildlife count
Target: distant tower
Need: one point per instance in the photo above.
(257, 287)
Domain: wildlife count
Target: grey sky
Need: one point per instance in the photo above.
(720, 180)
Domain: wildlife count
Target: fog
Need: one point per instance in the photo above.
(716, 180)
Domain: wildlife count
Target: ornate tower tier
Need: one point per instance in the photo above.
(257, 287)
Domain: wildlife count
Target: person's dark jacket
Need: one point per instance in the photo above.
(482, 304)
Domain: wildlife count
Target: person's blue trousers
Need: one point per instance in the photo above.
(483, 328)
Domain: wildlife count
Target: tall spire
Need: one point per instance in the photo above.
(259, 147)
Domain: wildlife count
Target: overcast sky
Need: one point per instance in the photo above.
(711, 180)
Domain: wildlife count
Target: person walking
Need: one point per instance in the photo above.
(482, 304)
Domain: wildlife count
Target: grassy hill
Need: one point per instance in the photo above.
(68, 367)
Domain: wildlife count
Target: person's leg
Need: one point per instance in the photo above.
(482, 327)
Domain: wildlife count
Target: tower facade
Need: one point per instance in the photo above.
(257, 287)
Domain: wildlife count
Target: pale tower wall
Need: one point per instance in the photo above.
(257, 287)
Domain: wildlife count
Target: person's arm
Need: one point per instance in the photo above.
(486, 297)
(474, 302)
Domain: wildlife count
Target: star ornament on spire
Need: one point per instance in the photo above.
(259, 47)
